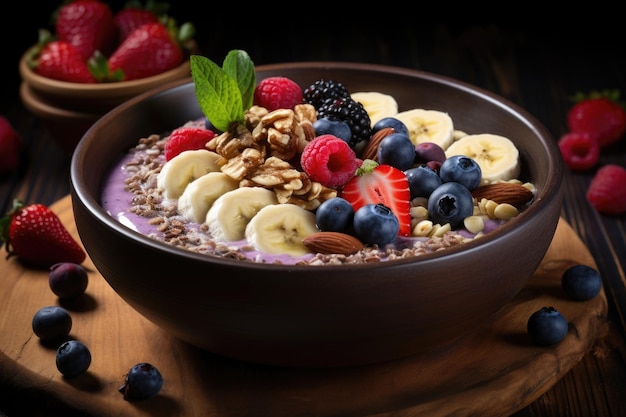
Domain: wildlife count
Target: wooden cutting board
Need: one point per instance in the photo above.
(495, 372)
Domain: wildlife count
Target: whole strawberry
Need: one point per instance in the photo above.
(131, 17)
(60, 60)
(148, 50)
(11, 146)
(88, 25)
(36, 235)
(599, 115)
(607, 191)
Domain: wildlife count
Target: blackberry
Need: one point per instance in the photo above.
(320, 90)
(351, 112)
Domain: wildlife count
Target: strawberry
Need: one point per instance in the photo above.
(11, 146)
(600, 115)
(607, 190)
(373, 184)
(35, 234)
(134, 15)
(60, 60)
(88, 25)
(148, 50)
(185, 139)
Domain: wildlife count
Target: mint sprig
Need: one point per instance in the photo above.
(224, 93)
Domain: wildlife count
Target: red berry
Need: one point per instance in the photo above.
(277, 93)
(607, 191)
(329, 161)
(580, 151)
(600, 117)
(11, 146)
(187, 139)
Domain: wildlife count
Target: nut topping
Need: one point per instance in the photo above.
(332, 242)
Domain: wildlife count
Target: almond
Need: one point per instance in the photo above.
(332, 242)
(504, 192)
(371, 149)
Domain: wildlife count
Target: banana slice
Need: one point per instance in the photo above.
(377, 105)
(428, 126)
(201, 193)
(280, 229)
(230, 213)
(184, 168)
(497, 156)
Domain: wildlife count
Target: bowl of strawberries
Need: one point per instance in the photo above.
(95, 58)
(303, 214)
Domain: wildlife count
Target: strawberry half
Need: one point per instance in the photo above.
(35, 234)
(384, 184)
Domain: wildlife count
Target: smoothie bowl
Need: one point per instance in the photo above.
(242, 299)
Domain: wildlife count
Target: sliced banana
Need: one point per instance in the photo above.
(230, 213)
(280, 229)
(428, 126)
(184, 168)
(201, 193)
(377, 105)
(497, 156)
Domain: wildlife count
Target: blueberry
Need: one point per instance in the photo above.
(73, 358)
(396, 124)
(143, 381)
(396, 150)
(547, 326)
(68, 280)
(334, 215)
(426, 152)
(376, 224)
(336, 128)
(52, 323)
(461, 169)
(422, 181)
(451, 202)
(581, 282)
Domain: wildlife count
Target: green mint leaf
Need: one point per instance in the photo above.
(217, 93)
(238, 65)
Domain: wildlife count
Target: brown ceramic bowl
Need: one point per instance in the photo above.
(323, 316)
(67, 109)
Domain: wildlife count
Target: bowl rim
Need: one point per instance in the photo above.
(65, 88)
(551, 191)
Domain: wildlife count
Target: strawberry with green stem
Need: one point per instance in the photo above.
(134, 14)
(381, 184)
(36, 235)
(600, 114)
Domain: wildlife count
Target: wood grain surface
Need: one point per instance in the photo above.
(495, 372)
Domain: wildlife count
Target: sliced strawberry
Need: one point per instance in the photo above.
(373, 184)
(36, 235)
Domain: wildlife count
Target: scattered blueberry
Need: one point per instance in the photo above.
(396, 124)
(52, 323)
(143, 381)
(396, 150)
(422, 181)
(581, 282)
(461, 169)
(68, 280)
(336, 128)
(73, 358)
(334, 215)
(547, 326)
(376, 224)
(451, 202)
(426, 152)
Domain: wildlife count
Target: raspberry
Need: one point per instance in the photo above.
(277, 93)
(187, 139)
(329, 161)
(580, 151)
(607, 191)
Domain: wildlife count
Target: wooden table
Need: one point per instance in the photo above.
(536, 71)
